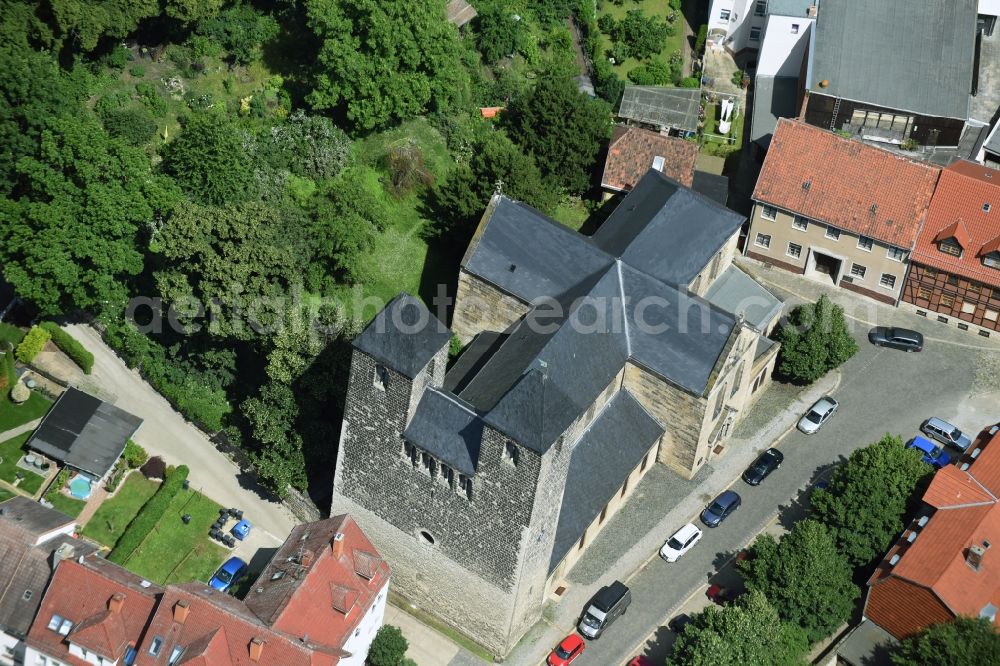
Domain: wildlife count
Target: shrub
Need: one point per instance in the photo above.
(689, 82)
(116, 476)
(699, 42)
(152, 100)
(154, 468)
(134, 455)
(135, 125)
(653, 73)
(32, 344)
(70, 346)
(10, 333)
(149, 515)
(137, 71)
(388, 648)
(7, 374)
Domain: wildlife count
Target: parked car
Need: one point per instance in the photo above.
(229, 574)
(760, 468)
(818, 414)
(610, 603)
(571, 647)
(642, 660)
(933, 454)
(720, 508)
(680, 542)
(720, 594)
(946, 433)
(896, 338)
(678, 622)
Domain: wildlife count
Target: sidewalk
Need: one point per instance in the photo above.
(427, 647)
(19, 430)
(626, 556)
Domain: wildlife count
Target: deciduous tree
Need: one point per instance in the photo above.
(814, 340)
(388, 648)
(965, 641)
(804, 577)
(496, 33)
(382, 61)
(563, 128)
(745, 633)
(868, 498)
(208, 161)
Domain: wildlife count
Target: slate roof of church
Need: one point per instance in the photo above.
(404, 335)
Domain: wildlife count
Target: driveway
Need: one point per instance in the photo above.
(166, 433)
(880, 391)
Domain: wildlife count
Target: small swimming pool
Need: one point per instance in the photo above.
(79, 487)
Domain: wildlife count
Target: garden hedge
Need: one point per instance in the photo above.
(33, 343)
(149, 515)
(69, 346)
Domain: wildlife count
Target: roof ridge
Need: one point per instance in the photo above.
(621, 293)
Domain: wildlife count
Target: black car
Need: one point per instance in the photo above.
(896, 338)
(678, 623)
(766, 463)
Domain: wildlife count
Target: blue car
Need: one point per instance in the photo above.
(720, 508)
(229, 574)
(933, 454)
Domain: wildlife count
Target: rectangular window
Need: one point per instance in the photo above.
(795, 28)
(953, 280)
(754, 34)
(718, 403)
(763, 240)
(992, 260)
(833, 233)
(968, 308)
(975, 288)
(924, 293)
(990, 315)
(949, 246)
(947, 300)
(465, 485)
(510, 453)
(858, 271)
(800, 223)
(865, 243)
(724, 14)
(175, 655)
(55, 622)
(888, 280)
(760, 8)
(156, 645)
(768, 212)
(794, 250)
(381, 378)
(447, 476)
(896, 254)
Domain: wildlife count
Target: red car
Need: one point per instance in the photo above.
(720, 595)
(571, 648)
(641, 660)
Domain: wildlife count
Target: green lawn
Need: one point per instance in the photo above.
(114, 514)
(178, 553)
(11, 451)
(71, 507)
(5, 494)
(572, 213)
(10, 333)
(649, 8)
(12, 415)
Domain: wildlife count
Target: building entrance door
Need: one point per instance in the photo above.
(824, 266)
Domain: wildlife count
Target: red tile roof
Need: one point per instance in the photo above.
(318, 577)
(956, 211)
(967, 513)
(217, 630)
(846, 183)
(632, 151)
(82, 594)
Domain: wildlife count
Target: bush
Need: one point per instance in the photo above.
(149, 515)
(653, 73)
(10, 333)
(699, 42)
(152, 100)
(135, 125)
(689, 82)
(388, 648)
(7, 375)
(154, 468)
(137, 71)
(134, 455)
(637, 35)
(32, 344)
(70, 346)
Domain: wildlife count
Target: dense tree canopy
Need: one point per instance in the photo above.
(384, 60)
(963, 642)
(563, 128)
(814, 340)
(247, 257)
(868, 498)
(496, 33)
(85, 22)
(804, 577)
(72, 239)
(745, 633)
(208, 161)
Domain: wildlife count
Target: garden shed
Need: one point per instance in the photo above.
(661, 107)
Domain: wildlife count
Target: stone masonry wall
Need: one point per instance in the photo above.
(479, 306)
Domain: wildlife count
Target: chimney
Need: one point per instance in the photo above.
(116, 602)
(811, 11)
(256, 649)
(338, 545)
(181, 610)
(307, 558)
(974, 558)
(63, 552)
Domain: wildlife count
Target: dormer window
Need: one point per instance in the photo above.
(992, 260)
(175, 655)
(950, 246)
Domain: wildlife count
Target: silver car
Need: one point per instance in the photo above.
(818, 414)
